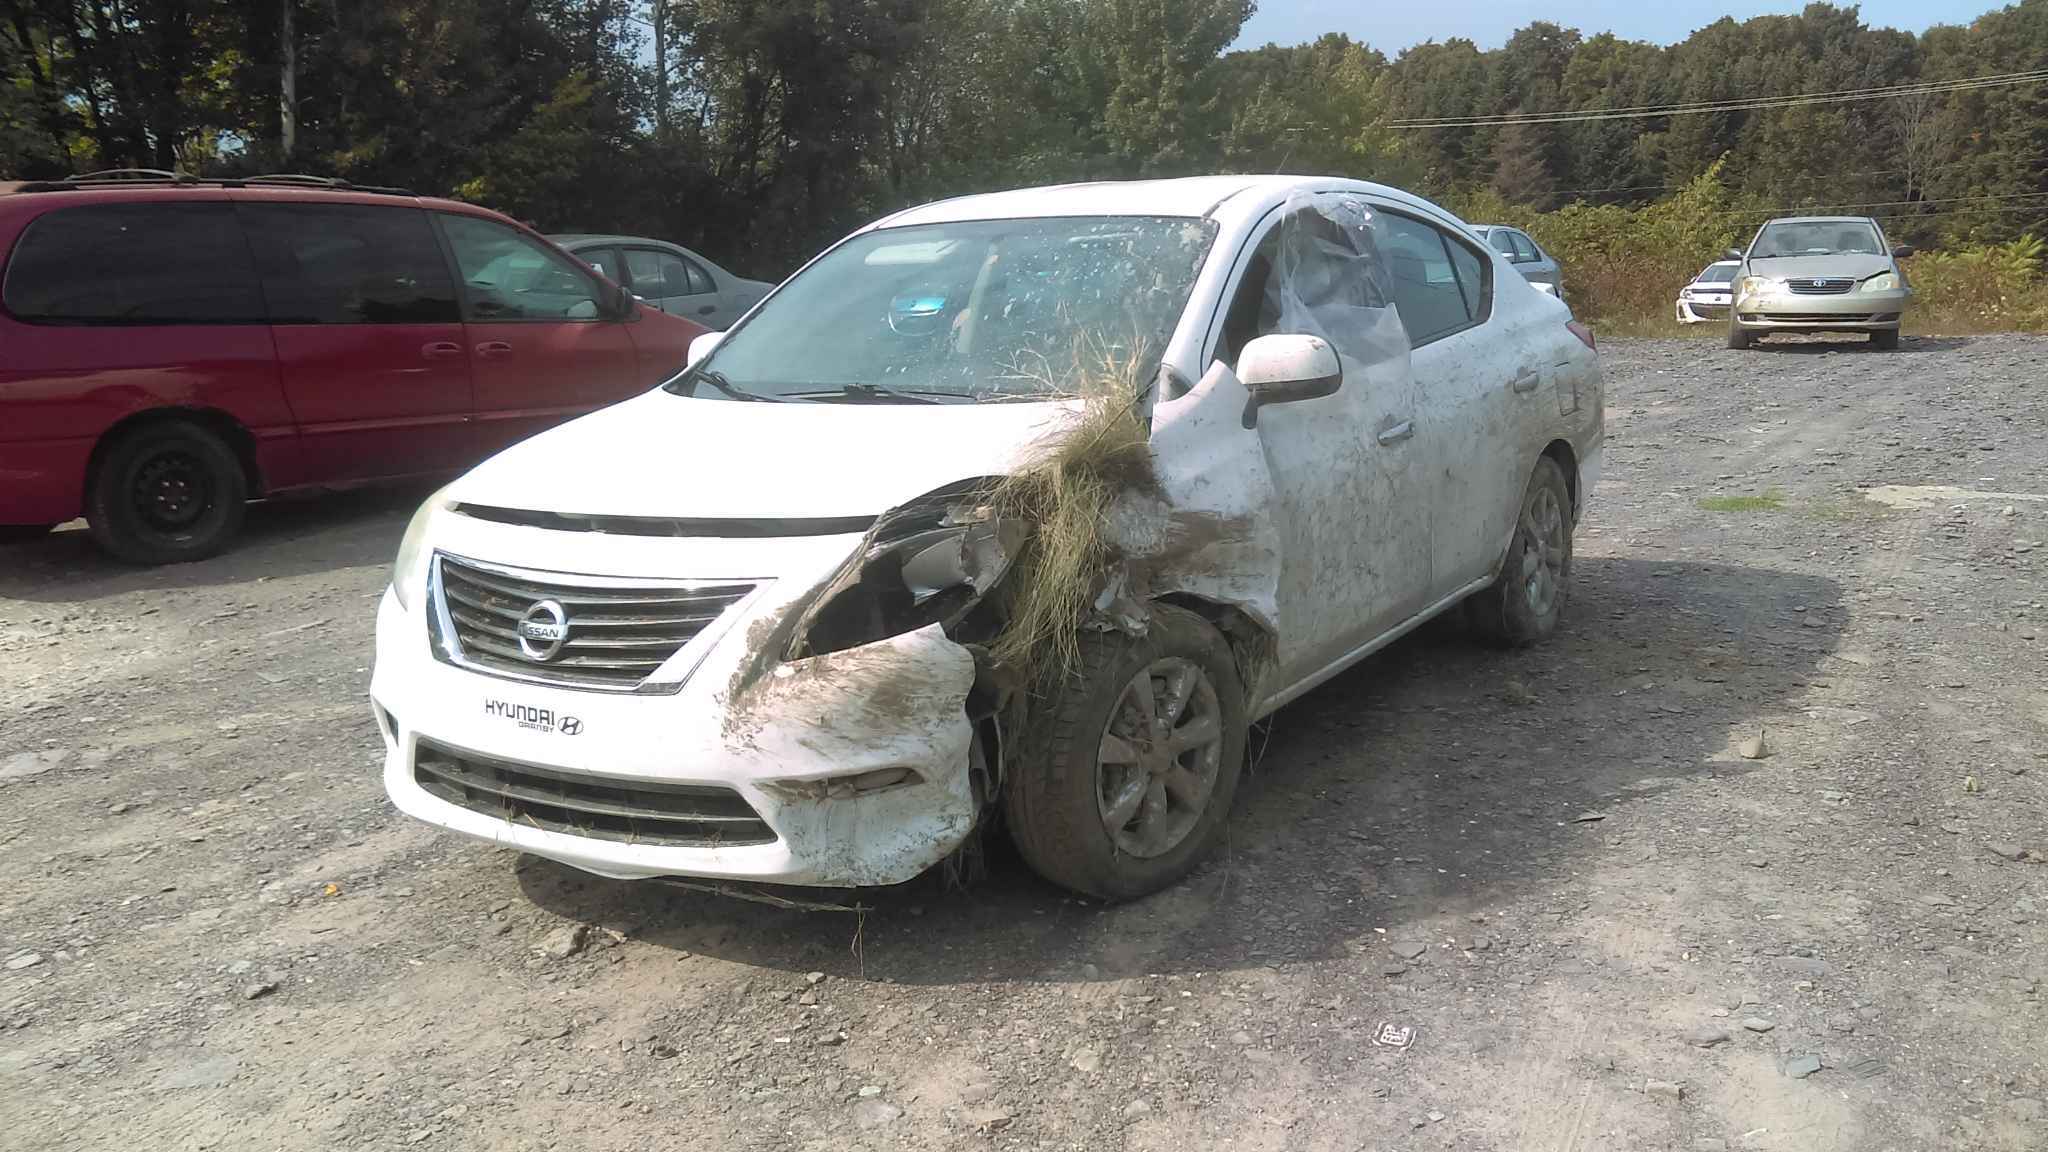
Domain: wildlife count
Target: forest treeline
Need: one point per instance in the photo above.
(762, 129)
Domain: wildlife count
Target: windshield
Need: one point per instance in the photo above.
(977, 310)
(1816, 238)
(1718, 274)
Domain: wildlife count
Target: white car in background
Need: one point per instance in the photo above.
(1707, 299)
(740, 627)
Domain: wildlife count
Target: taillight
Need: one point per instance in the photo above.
(1584, 334)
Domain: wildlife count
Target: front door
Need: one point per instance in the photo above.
(541, 347)
(1348, 470)
(370, 344)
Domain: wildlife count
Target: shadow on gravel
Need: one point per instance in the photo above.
(288, 537)
(1438, 777)
(1822, 345)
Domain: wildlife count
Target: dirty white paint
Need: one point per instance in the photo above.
(1914, 496)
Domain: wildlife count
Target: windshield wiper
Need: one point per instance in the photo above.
(717, 380)
(866, 394)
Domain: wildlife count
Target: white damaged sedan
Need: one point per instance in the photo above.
(742, 627)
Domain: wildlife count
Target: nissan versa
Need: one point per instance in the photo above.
(742, 626)
(1819, 274)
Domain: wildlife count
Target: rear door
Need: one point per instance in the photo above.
(1478, 380)
(369, 340)
(682, 288)
(542, 348)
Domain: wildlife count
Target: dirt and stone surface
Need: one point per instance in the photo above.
(1601, 914)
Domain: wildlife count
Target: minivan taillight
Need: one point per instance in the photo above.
(1584, 334)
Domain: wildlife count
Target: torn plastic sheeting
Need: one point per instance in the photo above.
(1328, 278)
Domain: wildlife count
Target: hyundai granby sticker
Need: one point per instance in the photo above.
(534, 719)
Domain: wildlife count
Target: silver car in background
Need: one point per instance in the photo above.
(1809, 274)
(1536, 266)
(669, 277)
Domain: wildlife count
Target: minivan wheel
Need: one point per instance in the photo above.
(165, 492)
(1524, 604)
(1885, 339)
(1739, 338)
(1128, 773)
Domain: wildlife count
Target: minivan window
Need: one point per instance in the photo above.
(972, 310)
(146, 263)
(506, 275)
(349, 264)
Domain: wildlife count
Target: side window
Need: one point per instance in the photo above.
(507, 275)
(605, 261)
(1440, 285)
(1525, 249)
(1503, 242)
(700, 280)
(134, 264)
(659, 273)
(349, 264)
(1312, 273)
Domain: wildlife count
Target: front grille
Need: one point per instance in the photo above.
(1825, 286)
(1702, 308)
(1807, 317)
(614, 636)
(599, 807)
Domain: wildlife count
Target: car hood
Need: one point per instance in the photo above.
(1818, 267)
(661, 455)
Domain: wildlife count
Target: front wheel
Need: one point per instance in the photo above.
(1524, 603)
(1133, 763)
(1885, 339)
(1739, 338)
(165, 492)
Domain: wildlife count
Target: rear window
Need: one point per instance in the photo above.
(350, 264)
(134, 264)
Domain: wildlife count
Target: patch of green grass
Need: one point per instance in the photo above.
(1769, 501)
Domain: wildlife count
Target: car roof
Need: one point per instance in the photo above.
(1819, 220)
(1215, 197)
(40, 197)
(571, 239)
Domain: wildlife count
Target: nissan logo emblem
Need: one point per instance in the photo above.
(543, 630)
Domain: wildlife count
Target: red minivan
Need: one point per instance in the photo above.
(171, 347)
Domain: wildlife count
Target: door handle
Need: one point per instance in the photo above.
(1527, 381)
(1398, 432)
(492, 349)
(440, 350)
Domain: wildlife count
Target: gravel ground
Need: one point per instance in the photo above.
(1603, 917)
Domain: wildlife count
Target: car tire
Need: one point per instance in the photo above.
(16, 533)
(1123, 820)
(166, 492)
(1525, 602)
(1885, 340)
(1739, 338)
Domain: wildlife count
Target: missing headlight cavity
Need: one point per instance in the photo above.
(929, 562)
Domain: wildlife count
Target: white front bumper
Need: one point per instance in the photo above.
(898, 703)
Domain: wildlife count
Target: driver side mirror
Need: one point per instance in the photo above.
(1283, 369)
(1733, 254)
(702, 346)
(1903, 251)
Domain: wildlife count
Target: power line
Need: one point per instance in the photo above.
(1817, 175)
(1940, 87)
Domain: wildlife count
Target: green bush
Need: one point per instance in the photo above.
(1982, 287)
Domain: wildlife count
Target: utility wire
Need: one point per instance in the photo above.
(1747, 105)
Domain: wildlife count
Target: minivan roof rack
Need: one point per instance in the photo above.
(109, 176)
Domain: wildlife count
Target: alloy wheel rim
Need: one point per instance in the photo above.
(1543, 550)
(1157, 764)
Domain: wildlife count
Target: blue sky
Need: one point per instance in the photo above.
(1392, 27)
